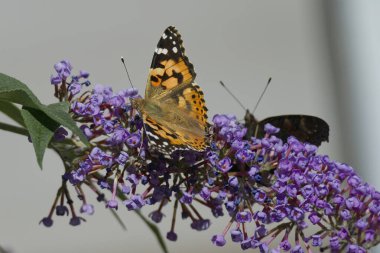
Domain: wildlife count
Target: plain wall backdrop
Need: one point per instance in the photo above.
(242, 43)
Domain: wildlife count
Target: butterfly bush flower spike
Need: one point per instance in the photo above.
(274, 195)
(268, 188)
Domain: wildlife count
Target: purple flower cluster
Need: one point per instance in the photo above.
(289, 187)
(269, 188)
(67, 85)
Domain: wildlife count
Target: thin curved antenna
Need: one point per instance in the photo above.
(262, 94)
(126, 70)
(236, 99)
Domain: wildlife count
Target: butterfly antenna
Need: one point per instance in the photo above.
(126, 70)
(262, 94)
(236, 99)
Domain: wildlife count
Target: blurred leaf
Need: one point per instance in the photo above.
(2, 250)
(11, 111)
(41, 129)
(117, 217)
(155, 231)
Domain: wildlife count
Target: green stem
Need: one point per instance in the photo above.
(14, 129)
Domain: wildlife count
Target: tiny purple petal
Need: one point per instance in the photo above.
(186, 198)
(133, 140)
(270, 129)
(74, 88)
(236, 235)
(87, 209)
(47, 222)
(171, 236)
(224, 165)
(84, 74)
(218, 240)
(243, 217)
(205, 193)
(54, 80)
(112, 204)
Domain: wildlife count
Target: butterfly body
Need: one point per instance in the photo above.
(306, 128)
(173, 109)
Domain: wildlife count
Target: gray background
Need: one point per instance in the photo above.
(309, 48)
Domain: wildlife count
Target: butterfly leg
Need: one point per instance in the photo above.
(256, 130)
(142, 140)
(144, 133)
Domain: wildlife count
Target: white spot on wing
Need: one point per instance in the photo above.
(164, 36)
(152, 135)
(175, 50)
(162, 51)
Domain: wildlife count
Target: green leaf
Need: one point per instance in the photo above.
(12, 90)
(12, 112)
(14, 129)
(63, 106)
(41, 129)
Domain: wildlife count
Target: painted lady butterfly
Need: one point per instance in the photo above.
(173, 110)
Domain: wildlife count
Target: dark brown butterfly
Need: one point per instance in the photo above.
(305, 128)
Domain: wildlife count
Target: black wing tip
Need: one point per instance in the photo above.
(171, 28)
(325, 130)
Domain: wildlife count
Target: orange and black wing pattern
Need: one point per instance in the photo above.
(170, 66)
